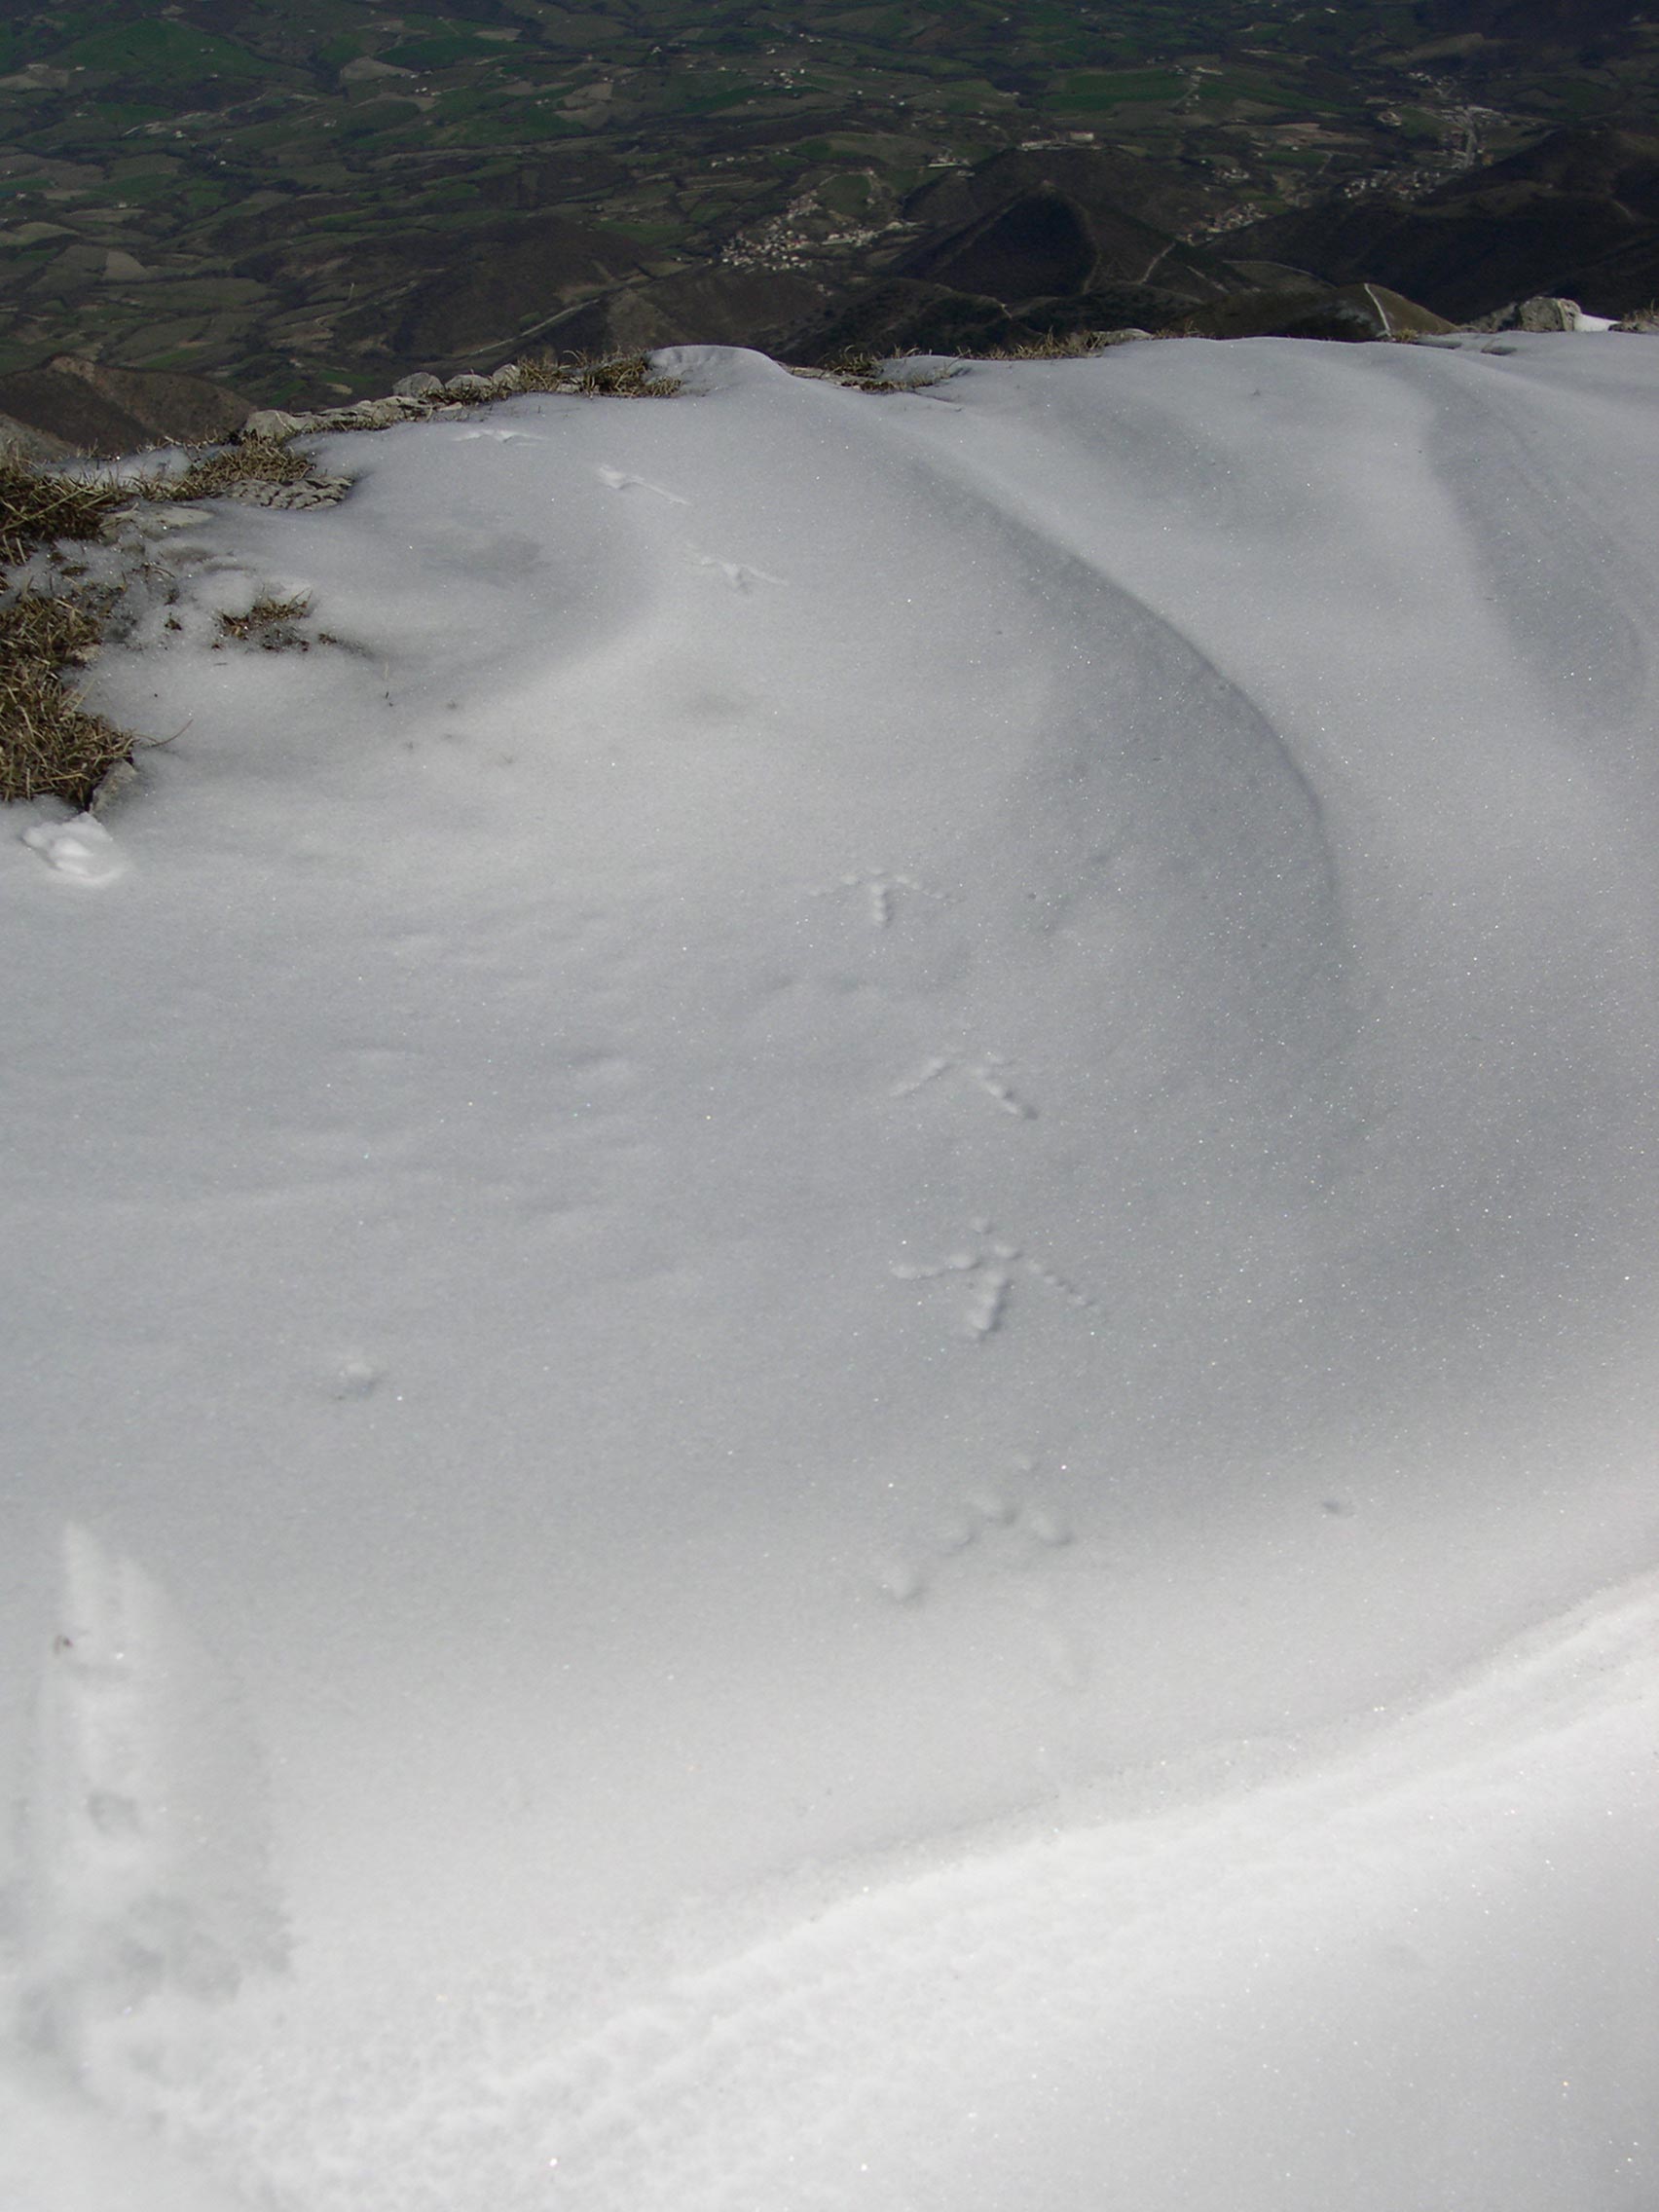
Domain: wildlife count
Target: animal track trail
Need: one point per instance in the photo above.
(882, 894)
(999, 1536)
(993, 1517)
(989, 1270)
(986, 1075)
(740, 576)
(355, 1378)
(620, 480)
(81, 849)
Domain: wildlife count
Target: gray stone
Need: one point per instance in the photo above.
(119, 777)
(274, 422)
(1546, 313)
(422, 385)
(157, 521)
(469, 386)
(508, 377)
(309, 492)
(378, 414)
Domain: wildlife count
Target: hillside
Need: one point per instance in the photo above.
(308, 200)
(831, 1273)
(1577, 214)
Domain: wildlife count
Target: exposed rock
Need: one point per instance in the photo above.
(309, 492)
(274, 424)
(369, 413)
(1546, 313)
(118, 779)
(154, 521)
(422, 385)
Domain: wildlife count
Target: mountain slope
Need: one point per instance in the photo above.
(1577, 214)
(865, 1207)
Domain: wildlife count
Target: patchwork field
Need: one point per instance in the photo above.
(283, 194)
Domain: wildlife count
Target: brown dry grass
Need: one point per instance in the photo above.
(50, 745)
(623, 376)
(1074, 345)
(260, 461)
(270, 623)
(861, 370)
(37, 507)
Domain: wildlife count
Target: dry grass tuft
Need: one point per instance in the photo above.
(37, 507)
(50, 745)
(1071, 345)
(261, 460)
(861, 370)
(623, 376)
(270, 623)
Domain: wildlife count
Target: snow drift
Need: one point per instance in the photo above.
(866, 1206)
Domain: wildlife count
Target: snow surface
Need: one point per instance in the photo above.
(830, 1288)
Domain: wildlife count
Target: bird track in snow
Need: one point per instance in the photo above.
(619, 480)
(995, 1530)
(881, 892)
(986, 1075)
(988, 1269)
(739, 574)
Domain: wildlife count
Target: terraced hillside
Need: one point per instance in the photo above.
(310, 195)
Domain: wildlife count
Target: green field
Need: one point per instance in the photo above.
(272, 152)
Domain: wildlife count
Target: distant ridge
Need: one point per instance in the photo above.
(1578, 213)
(94, 407)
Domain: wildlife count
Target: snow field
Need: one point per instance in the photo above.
(856, 1241)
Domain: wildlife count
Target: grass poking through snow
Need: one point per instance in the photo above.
(38, 507)
(624, 376)
(270, 623)
(259, 460)
(50, 745)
